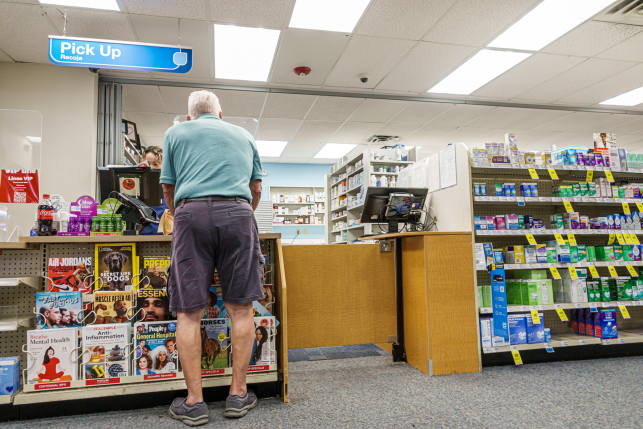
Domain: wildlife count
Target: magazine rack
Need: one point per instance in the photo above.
(25, 262)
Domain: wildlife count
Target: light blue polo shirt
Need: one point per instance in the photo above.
(207, 156)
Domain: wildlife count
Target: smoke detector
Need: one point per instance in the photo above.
(302, 71)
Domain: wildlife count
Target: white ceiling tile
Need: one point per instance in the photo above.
(248, 124)
(459, 116)
(624, 140)
(477, 22)
(526, 140)
(4, 57)
(233, 103)
(24, 33)
(634, 126)
(424, 66)
(576, 122)
(20, 1)
(373, 110)
(400, 130)
(333, 108)
(533, 71)
(316, 131)
(92, 24)
(628, 50)
(190, 9)
(355, 132)
(583, 75)
(293, 160)
(566, 139)
(499, 117)
(611, 122)
(301, 149)
(151, 124)
(536, 119)
(402, 19)
(612, 86)
(473, 137)
(294, 106)
(419, 113)
(254, 13)
(375, 56)
(277, 129)
(591, 38)
(152, 141)
(426, 135)
(142, 98)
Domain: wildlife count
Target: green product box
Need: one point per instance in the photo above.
(518, 292)
(621, 191)
(592, 189)
(627, 253)
(498, 189)
(639, 285)
(486, 295)
(556, 221)
(480, 297)
(605, 253)
(521, 222)
(584, 189)
(510, 289)
(533, 291)
(618, 252)
(531, 274)
(591, 253)
(552, 257)
(604, 288)
(582, 252)
(575, 189)
(592, 286)
(524, 293)
(573, 254)
(548, 284)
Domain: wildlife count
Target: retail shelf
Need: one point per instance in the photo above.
(26, 320)
(340, 242)
(13, 245)
(356, 207)
(293, 204)
(391, 162)
(557, 231)
(384, 173)
(297, 224)
(625, 337)
(22, 281)
(293, 214)
(355, 227)
(512, 308)
(561, 170)
(22, 398)
(352, 173)
(557, 340)
(342, 169)
(553, 200)
(339, 208)
(339, 218)
(7, 399)
(355, 188)
(583, 264)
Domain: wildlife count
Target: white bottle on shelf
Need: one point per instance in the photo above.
(384, 181)
(398, 153)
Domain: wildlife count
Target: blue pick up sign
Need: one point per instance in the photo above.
(107, 54)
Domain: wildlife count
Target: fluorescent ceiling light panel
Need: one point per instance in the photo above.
(270, 148)
(86, 4)
(34, 139)
(334, 150)
(547, 22)
(483, 67)
(244, 53)
(631, 98)
(328, 15)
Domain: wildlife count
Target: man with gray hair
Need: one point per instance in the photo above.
(211, 175)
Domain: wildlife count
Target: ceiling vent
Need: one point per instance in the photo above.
(624, 12)
(375, 139)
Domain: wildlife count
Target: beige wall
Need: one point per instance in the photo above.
(67, 98)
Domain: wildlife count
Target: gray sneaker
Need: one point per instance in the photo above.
(196, 415)
(236, 406)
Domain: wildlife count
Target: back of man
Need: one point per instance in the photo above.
(211, 173)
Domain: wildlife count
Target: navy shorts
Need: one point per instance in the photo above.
(209, 234)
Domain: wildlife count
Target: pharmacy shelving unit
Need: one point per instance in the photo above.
(21, 269)
(351, 213)
(316, 199)
(542, 206)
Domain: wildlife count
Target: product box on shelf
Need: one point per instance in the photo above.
(605, 323)
(517, 329)
(9, 375)
(535, 333)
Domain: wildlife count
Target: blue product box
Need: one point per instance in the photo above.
(9, 375)
(525, 190)
(517, 329)
(580, 321)
(534, 189)
(611, 222)
(535, 333)
(589, 323)
(476, 189)
(483, 189)
(476, 222)
(506, 190)
(547, 335)
(498, 257)
(512, 189)
(605, 323)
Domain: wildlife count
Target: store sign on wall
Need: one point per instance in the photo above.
(19, 186)
(107, 54)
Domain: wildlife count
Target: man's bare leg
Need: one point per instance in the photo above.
(188, 341)
(243, 328)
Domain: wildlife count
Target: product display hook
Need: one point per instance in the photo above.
(79, 356)
(51, 284)
(135, 287)
(271, 336)
(130, 346)
(102, 283)
(228, 346)
(95, 318)
(33, 362)
(135, 314)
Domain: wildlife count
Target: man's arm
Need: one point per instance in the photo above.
(255, 190)
(168, 193)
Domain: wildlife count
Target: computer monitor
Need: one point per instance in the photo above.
(393, 205)
(142, 183)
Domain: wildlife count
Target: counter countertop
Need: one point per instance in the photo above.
(412, 234)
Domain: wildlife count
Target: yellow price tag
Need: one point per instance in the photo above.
(620, 238)
(612, 270)
(611, 240)
(590, 175)
(609, 176)
(635, 239)
(552, 174)
(640, 206)
(593, 271)
(572, 272)
(627, 238)
(624, 312)
(534, 317)
(626, 208)
(517, 358)
(568, 206)
(632, 271)
(571, 239)
(554, 272)
(562, 315)
(531, 239)
(559, 239)
(532, 172)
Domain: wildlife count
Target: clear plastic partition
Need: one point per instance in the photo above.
(20, 147)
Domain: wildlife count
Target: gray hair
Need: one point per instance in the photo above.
(203, 102)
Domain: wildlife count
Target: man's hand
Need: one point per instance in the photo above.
(255, 190)
(168, 193)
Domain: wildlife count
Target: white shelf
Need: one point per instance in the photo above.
(356, 207)
(514, 308)
(355, 172)
(391, 162)
(7, 399)
(377, 173)
(561, 170)
(355, 227)
(522, 232)
(340, 208)
(355, 188)
(553, 200)
(339, 218)
(583, 264)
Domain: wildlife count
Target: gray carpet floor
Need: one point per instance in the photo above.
(374, 392)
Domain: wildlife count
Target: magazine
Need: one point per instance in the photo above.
(115, 264)
(49, 355)
(113, 307)
(214, 344)
(155, 305)
(156, 352)
(268, 297)
(263, 350)
(70, 274)
(105, 348)
(155, 269)
(55, 310)
(257, 309)
(215, 303)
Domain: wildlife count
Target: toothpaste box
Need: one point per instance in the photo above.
(535, 333)
(498, 256)
(605, 323)
(500, 222)
(530, 255)
(517, 329)
(618, 252)
(556, 221)
(571, 220)
(496, 341)
(490, 222)
(9, 375)
(511, 221)
(485, 332)
(541, 253)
